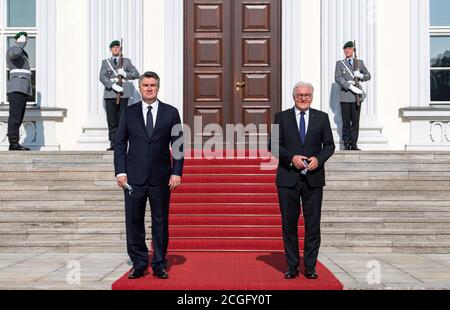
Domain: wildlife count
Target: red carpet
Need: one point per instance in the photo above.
(229, 271)
(225, 232)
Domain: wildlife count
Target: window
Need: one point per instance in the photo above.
(440, 51)
(16, 16)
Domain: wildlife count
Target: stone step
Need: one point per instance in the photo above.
(102, 222)
(114, 204)
(329, 235)
(103, 246)
(208, 188)
(331, 182)
(340, 155)
(328, 211)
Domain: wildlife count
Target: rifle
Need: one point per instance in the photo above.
(357, 84)
(120, 82)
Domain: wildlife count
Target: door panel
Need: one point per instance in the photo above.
(229, 42)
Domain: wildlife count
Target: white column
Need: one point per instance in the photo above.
(46, 73)
(420, 54)
(108, 20)
(342, 21)
(291, 49)
(174, 53)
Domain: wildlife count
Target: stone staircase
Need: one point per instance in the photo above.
(375, 202)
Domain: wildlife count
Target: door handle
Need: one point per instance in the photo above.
(239, 86)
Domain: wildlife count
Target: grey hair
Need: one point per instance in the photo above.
(303, 85)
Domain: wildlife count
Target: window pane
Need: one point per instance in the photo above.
(440, 85)
(30, 49)
(21, 13)
(440, 52)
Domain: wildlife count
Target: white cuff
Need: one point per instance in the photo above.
(121, 175)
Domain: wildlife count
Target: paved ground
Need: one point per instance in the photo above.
(99, 271)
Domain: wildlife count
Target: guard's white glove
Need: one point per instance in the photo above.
(122, 73)
(356, 90)
(359, 75)
(22, 39)
(115, 80)
(117, 88)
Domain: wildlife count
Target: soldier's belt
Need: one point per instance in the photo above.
(24, 71)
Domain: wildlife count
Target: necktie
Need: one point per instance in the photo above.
(350, 62)
(115, 62)
(302, 127)
(149, 121)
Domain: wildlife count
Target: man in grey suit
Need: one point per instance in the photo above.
(19, 89)
(109, 76)
(345, 76)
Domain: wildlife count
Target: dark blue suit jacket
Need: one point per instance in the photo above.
(319, 143)
(149, 159)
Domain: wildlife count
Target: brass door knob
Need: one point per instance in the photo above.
(239, 86)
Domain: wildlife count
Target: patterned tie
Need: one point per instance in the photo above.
(149, 121)
(302, 127)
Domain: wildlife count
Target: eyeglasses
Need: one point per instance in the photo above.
(306, 96)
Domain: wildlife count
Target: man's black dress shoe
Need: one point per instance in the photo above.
(355, 148)
(291, 274)
(135, 274)
(111, 148)
(17, 147)
(348, 146)
(311, 274)
(161, 274)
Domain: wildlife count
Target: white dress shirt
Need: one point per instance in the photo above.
(298, 115)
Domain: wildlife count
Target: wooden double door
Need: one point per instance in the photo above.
(232, 63)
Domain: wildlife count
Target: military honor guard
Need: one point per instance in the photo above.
(19, 89)
(349, 73)
(117, 74)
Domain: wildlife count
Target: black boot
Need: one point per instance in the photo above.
(348, 145)
(355, 147)
(111, 148)
(17, 147)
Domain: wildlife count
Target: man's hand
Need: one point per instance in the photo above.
(22, 39)
(122, 181)
(122, 73)
(356, 90)
(175, 181)
(359, 75)
(313, 163)
(117, 88)
(297, 161)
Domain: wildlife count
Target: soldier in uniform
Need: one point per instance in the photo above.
(19, 89)
(109, 76)
(345, 76)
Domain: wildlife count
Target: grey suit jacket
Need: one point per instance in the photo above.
(343, 76)
(17, 58)
(107, 74)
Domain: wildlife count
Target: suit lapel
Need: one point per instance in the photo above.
(140, 117)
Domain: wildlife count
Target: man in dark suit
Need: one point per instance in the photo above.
(146, 170)
(305, 143)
